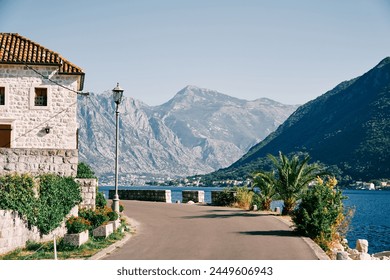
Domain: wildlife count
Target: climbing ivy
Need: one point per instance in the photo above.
(43, 202)
(57, 196)
(17, 193)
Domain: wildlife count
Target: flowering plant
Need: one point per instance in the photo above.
(77, 225)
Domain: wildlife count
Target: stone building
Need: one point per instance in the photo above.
(38, 102)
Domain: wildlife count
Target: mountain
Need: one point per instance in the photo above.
(196, 132)
(347, 127)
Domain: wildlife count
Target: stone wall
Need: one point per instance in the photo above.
(144, 195)
(27, 121)
(39, 161)
(14, 232)
(88, 189)
(195, 196)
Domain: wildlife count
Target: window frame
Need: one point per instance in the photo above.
(33, 96)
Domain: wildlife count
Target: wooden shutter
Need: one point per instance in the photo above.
(5, 136)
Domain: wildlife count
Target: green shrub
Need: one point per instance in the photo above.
(100, 200)
(121, 207)
(227, 197)
(256, 200)
(77, 225)
(84, 171)
(320, 213)
(243, 198)
(112, 215)
(96, 217)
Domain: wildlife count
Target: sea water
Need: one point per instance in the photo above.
(371, 219)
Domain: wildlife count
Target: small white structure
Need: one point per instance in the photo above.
(38, 102)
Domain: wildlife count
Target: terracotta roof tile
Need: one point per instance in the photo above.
(16, 49)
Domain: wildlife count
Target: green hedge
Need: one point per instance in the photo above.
(43, 203)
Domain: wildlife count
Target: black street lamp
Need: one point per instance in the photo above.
(117, 94)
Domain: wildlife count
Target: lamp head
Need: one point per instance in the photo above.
(117, 94)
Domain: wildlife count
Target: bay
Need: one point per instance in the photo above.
(371, 220)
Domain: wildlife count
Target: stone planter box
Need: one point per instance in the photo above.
(115, 224)
(103, 230)
(76, 239)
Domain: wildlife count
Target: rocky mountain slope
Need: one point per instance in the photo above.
(347, 127)
(196, 132)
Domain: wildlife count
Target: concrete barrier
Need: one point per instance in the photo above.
(195, 196)
(143, 195)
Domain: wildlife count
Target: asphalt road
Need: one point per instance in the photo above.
(184, 232)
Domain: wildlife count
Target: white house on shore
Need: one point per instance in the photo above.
(38, 102)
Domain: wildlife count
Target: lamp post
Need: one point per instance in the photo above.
(117, 94)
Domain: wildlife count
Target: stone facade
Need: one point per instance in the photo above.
(14, 232)
(144, 195)
(38, 161)
(88, 189)
(28, 122)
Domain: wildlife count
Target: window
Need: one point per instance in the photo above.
(2, 95)
(40, 97)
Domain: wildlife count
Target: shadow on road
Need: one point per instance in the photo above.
(271, 233)
(224, 216)
(226, 213)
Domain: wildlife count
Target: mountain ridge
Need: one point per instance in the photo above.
(195, 132)
(347, 126)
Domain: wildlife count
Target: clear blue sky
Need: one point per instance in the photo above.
(289, 51)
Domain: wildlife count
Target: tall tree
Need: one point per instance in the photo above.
(293, 177)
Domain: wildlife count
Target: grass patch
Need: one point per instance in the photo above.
(43, 251)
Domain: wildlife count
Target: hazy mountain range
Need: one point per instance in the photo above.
(347, 127)
(196, 132)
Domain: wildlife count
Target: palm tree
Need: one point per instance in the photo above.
(266, 182)
(293, 177)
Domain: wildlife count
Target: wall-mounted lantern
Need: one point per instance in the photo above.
(47, 129)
